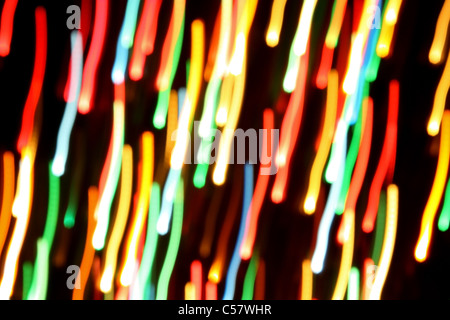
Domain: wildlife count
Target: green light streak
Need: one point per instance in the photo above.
(350, 164)
(444, 218)
(174, 243)
(250, 277)
(379, 230)
(353, 284)
(27, 278)
(151, 243)
(162, 106)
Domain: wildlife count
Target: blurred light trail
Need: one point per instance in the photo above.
(290, 129)
(250, 277)
(89, 252)
(387, 155)
(337, 17)
(159, 118)
(426, 227)
(251, 225)
(112, 249)
(140, 213)
(347, 256)
(307, 281)
(102, 211)
(326, 139)
(174, 243)
(440, 98)
(388, 27)
(6, 26)
(323, 232)
(145, 38)
(40, 59)
(440, 34)
(93, 58)
(68, 120)
(7, 196)
(353, 284)
(276, 22)
(388, 243)
(142, 284)
(39, 284)
(230, 282)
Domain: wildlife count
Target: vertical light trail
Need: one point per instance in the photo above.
(352, 155)
(213, 47)
(363, 157)
(21, 210)
(230, 281)
(444, 218)
(299, 46)
(27, 275)
(178, 13)
(172, 122)
(238, 68)
(141, 211)
(125, 42)
(262, 182)
(290, 129)
(307, 281)
(275, 23)
(315, 178)
(184, 125)
(332, 37)
(193, 92)
(324, 68)
(93, 57)
(189, 291)
(250, 277)
(388, 243)
(440, 34)
(213, 88)
(426, 227)
(168, 195)
(68, 120)
(318, 257)
(38, 288)
(151, 242)
(387, 155)
(145, 38)
(7, 197)
(37, 79)
(347, 256)
(304, 27)
(388, 28)
(197, 279)
(129, 23)
(126, 185)
(379, 230)
(89, 252)
(104, 205)
(159, 118)
(6, 26)
(357, 50)
(440, 98)
(39, 284)
(353, 284)
(369, 271)
(210, 291)
(174, 243)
